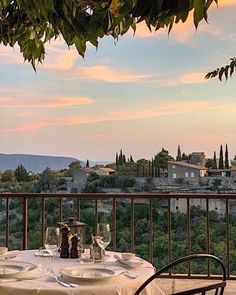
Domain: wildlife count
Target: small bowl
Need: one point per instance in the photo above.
(127, 255)
(3, 250)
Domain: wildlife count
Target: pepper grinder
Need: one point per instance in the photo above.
(64, 242)
(74, 253)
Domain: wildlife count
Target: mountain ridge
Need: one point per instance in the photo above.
(34, 163)
(37, 163)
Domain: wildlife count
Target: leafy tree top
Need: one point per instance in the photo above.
(31, 24)
(162, 159)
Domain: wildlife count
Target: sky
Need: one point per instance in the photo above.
(140, 94)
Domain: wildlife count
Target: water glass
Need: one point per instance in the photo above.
(87, 257)
(104, 232)
(52, 238)
(44, 261)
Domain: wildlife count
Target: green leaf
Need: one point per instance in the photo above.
(94, 42)
(208, 75)
(5, 3)
(226, 72)
(198, 13)
(208, 4)
(80, 45)
(221, 72)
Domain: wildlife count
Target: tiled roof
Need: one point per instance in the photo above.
(106, 169)
(219, 170)
(184, 164)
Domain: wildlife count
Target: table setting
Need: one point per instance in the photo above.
(95, 271)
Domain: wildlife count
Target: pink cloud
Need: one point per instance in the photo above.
(108, 74)
(189, 78)
(53, 102)
(192, 78)
(59, 57)
(227, 3)
(164, 109)
(11, 55)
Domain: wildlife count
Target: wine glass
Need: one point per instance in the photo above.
(52, 238)
(104, 232)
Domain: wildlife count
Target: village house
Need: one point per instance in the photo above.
(219, 172)
(79, 178)
(186, 171)
(105, 171)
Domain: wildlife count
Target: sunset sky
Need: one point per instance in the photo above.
(139, 94)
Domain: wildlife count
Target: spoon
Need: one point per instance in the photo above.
(131, 275)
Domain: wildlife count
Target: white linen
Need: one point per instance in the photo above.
(43, 285)
(9, 254)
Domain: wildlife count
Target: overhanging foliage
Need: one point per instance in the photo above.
(32, 23)
(223, 72)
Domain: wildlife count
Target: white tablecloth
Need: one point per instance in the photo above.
(43, 285)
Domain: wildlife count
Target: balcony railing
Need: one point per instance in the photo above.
(159, 227)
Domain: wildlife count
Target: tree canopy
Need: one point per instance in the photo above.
(32, 24)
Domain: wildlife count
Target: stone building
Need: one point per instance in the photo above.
(198, 158)
(186, 171)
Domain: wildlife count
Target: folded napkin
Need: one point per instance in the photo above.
(135, 262)
(28, 275)
(9, 254)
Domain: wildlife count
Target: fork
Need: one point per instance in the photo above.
(61, 281)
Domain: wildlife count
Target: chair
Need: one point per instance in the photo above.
(217, 286)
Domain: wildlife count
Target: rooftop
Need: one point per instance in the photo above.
(184, 164)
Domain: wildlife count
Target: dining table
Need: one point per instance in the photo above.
(125, 279)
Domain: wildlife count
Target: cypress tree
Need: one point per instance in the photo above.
(138, 169)
(131, 159)
(152, 168)
(120, 158)
(155, 171)
(143, 170)
(117, 159)
(178, 157)
(87, 164)
(226, 157)
(155, 167)
(158, 171)
(215, 161)
(221, 160)
(149, 168)
(123, 160)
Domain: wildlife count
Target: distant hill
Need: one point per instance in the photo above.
(34, 163)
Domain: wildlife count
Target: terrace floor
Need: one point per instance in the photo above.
(171, 285)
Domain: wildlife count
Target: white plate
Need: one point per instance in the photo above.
(135, 262)
(89, 273)
(10, 269)
(42, 253)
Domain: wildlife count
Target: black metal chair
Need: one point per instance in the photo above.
(217, 286)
